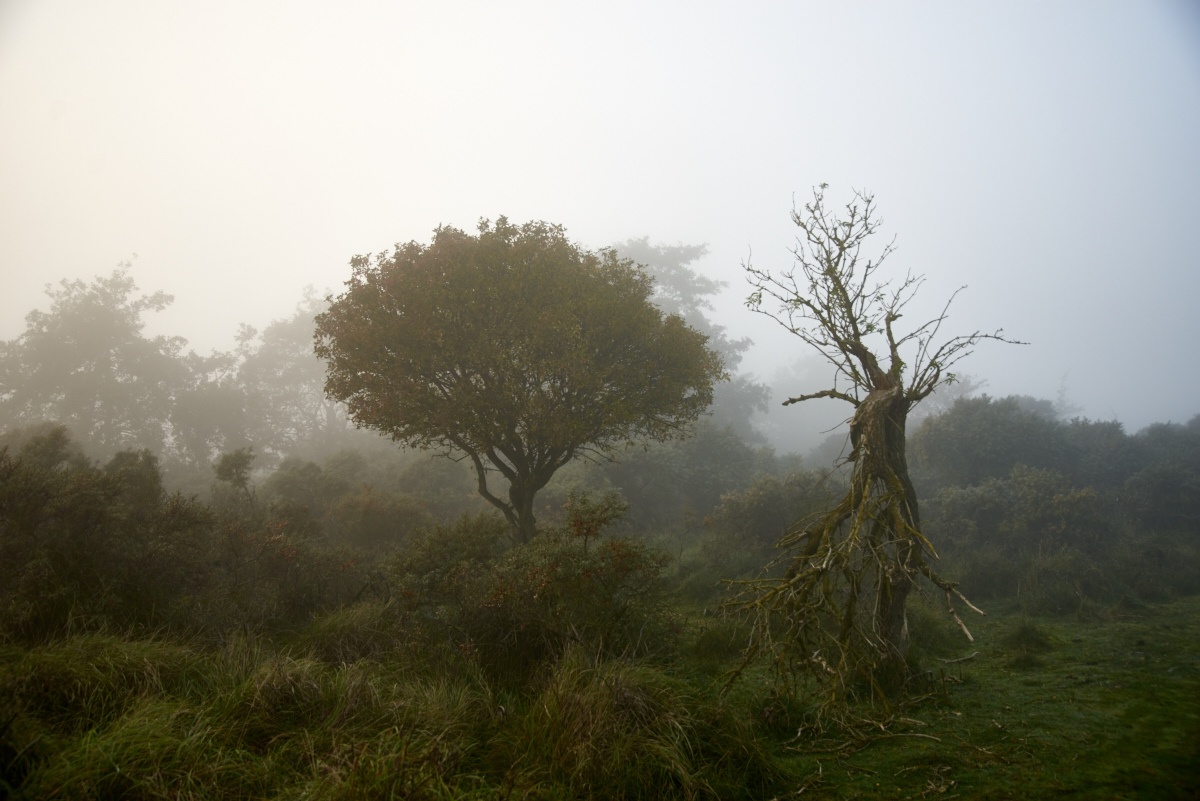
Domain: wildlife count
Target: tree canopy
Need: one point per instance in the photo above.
(287, 411)
(515, 348)
(680, 289)
(86, 363)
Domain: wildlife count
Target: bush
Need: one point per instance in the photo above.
(604, 593)
(511, 608)
(268, 574)
(374, 521)
(741, 533)
(82, 544)
(1055, 547)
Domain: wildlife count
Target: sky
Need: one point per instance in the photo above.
(1043, 154)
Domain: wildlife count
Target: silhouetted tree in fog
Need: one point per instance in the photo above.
(87, 364)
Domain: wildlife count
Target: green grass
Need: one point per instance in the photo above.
(1048, 708)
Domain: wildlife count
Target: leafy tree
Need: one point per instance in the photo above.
(234, 469)
(287, 411)
(840, 608)
(87, 364)
(679, 289)
(515, 348)
(208, 417)
(982, 438)
(1102, 454)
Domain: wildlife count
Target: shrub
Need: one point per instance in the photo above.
(372, 521)
(741, 533)
(102, 544)
(605, 593)
(511, 608)
(270, 575)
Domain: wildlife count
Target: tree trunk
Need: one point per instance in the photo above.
(521, 500)
(518, 509)
(881, 476)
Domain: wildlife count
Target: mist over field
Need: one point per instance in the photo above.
(673, 400)
(1042, 156)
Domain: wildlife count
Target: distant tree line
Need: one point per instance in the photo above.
(228, 489)
(1061, 513)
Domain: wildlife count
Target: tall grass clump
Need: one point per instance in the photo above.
(159, 749)
(373, 629)
(614, 729)
(89, 679)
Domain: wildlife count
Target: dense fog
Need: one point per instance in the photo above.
(1043, 157)
(471, 400)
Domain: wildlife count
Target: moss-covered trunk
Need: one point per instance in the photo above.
(884, 493)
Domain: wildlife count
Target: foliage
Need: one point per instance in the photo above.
(372, 521)
(681, 290)
(510, 609)
(208, 417)
(667, 482)
(424, 689)
(758, 516)
(1054, 546)
(86, 364)
(515, 348)
(440, 568)
(234, 468)
(1165, 491)
(357, 515)
(282, 381)
(741, 533)
(88, 547)
(983, 438)
(561, 589)
(105, 544)
(283, 663)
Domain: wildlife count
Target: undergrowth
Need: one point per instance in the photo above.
(101, 716)
(1036, 708)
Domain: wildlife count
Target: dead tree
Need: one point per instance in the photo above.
(838, 612)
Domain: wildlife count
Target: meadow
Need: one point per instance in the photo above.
(1036, 708)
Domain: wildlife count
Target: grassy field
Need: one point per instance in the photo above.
(1047, 708)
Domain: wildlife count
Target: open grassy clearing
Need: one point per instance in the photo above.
(1050, 708)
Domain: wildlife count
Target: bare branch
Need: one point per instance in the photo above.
(837, 614)
(825, 393)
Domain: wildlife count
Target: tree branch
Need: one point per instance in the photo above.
(825, 393)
